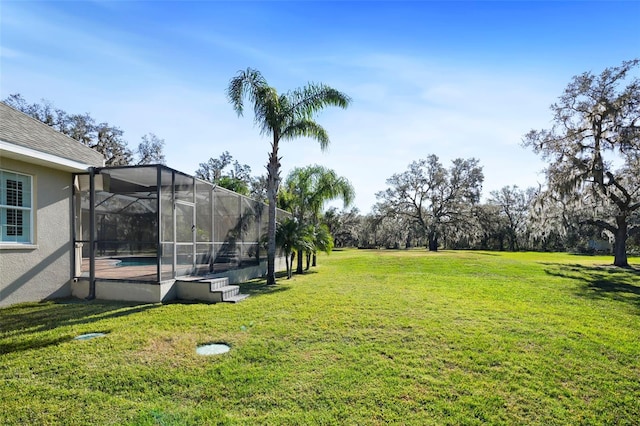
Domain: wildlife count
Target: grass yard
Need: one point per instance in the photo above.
(367, 337)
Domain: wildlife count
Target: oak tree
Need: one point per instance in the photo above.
(593, 149)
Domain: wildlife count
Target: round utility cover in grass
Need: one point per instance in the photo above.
(88, 336)
(212, 349)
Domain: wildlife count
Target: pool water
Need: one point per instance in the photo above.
(137, 261)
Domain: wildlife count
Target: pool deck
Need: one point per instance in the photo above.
(108, 269)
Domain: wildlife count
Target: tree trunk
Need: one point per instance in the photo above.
(620, 244)
(313, 263)
(271, 243)
(290, 269)
(273, 171)
(299, 265)
(286, 261)
(433, 241)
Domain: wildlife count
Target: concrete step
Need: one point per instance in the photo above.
(227, 291)
(210, 290)
(216, 283)
(237, 298)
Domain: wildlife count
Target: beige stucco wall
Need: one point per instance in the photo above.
(41, 271)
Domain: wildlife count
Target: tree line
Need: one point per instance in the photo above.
(436, 207)
(590, 201)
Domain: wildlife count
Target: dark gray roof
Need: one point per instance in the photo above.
(20, 129)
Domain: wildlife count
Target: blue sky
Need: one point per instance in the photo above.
(455, 79)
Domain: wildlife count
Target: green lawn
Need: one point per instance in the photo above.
(367, 337)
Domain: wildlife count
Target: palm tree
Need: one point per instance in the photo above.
(283, 117)
(321, 240)
(292, 238)
(307, 189)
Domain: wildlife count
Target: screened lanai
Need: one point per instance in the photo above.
(154, 224)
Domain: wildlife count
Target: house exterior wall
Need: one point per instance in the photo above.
(42, 270)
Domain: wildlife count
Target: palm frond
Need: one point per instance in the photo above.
(307, 128)
(322, 238)
(305, 101)
(247, 83)
(267, 110)
(329, 186)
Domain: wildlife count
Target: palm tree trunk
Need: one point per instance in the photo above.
(290, 271)
(299, 264)
(286, 262)
(273, 181)
(271, 243)
(300, 250)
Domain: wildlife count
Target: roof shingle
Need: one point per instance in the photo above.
(20, 129)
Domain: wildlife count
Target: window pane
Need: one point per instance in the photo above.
(14, 222)
(15, 191)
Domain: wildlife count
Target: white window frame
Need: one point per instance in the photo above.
(5, 207)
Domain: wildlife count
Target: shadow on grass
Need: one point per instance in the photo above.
(258, 286)
(602, 282)
(306, 272)
(30, 322)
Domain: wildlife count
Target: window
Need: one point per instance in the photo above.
(15, 208)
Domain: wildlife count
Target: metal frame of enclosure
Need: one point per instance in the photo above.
(154, 224)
